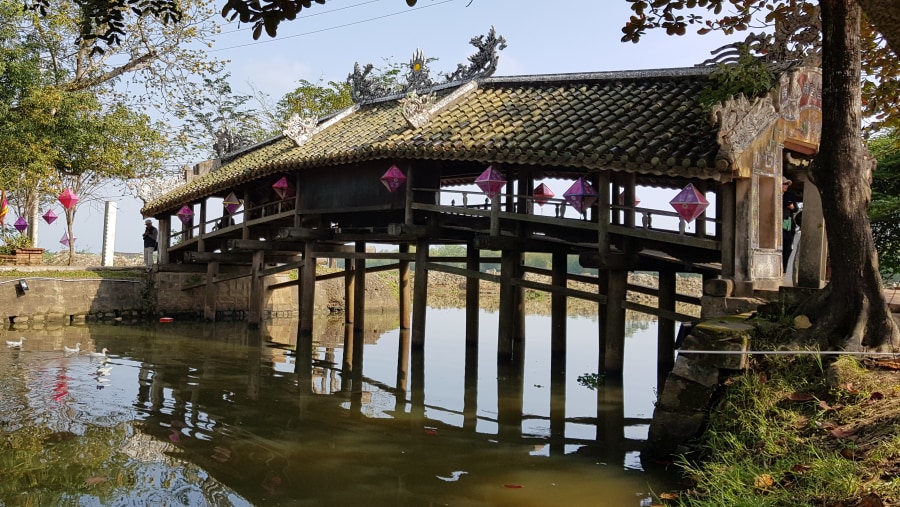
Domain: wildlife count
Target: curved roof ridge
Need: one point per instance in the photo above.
(603, 75)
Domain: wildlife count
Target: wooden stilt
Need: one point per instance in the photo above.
(403, 361)
(507, 318)
(403, 281)
(519, 315)
(473, 263)
(359, 292)
(211, 292)
(420, 295)
(558, 314)
(470, 393)
(307, 290)
(349, 291)
(613, 357)
(347, 361)
(257, 291)
(665, 343)
(202, 229)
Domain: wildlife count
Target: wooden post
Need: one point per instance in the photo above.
(613, 356)
(201, 247)
(164, 236)
(403, 275)
(665, 338)
(558, 314)
(403, 361)
(359, 292)
(725, 201)
(519, 314)
(420, 295)
(700, 222)
(245, 229)
(347, 361)
(349, 291)
(507, 320)
(408, 216)
(495, 216)
(211, 292)
(603, 212)
(298, 218)
(307, 290)
(473, 263)
(470, 389)
(257, 291)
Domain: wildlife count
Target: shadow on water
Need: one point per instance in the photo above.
(217, 414)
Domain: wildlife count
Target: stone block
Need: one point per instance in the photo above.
(713, 306)
(668, 430)
(688, 368)
(718, 287)
(684, 396)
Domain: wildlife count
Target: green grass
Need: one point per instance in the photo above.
(129, 274)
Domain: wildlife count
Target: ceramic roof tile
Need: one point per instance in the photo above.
(643, 121)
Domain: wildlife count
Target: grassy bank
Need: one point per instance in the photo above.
(802, 430)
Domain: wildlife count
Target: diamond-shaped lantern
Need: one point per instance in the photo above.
(49, 216)
(21, 224)
(231, 203)
(393, 178)
(689, 203)
(185, 214)
(68, 199)
(65, 241)
(581, 195)
(542, 194)
(282, 188)
(490, 181)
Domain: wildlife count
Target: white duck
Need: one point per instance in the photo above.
(102, 353)
(69, 350)
(15, 344)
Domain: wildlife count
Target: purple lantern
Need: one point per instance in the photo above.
(185, 214)
(68, 199)
(542, 194)
(231, 203)
(689, 203)
(65, 241)
(50, 216)
(581, 195)
(491, 181)
(282, 188)
(21, 224)
(393, 178)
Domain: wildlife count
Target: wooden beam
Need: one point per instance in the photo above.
(619, 261)
(411, 230)
(650, 291)
(681, 317)
(304, 234)
(251, 245)
(282, 268)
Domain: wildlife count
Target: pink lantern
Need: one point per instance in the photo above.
(689, 203)
(393, 178)
(21, 224)
(65, 241)
(50, 216)
(231, 203)
(622, 199)
(490, 181)
(542, 194)
(581, 195)
(185, 214)
(68, 199)
(282, 188)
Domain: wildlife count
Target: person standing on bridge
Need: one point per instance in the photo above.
(788, 224)
(150, 242)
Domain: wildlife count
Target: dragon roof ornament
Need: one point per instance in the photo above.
(365, 88)
(300, 129)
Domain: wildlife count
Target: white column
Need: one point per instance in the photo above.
(109, 234)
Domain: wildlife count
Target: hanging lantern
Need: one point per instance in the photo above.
(622, 199)
(65, 241)
(68, 199)
(581, 195)
(185, 214)
(21, 224)
(689, 203)
(231, 203)
(542, 194)
(393, 178)
(490, 181)
(282, 188)
(49, 216)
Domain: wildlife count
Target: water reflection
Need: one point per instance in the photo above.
(217, 414)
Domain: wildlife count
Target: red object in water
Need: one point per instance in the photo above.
(166, 319)
(513, 486)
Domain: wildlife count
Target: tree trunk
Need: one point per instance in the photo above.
(857, 316)
(70, 221)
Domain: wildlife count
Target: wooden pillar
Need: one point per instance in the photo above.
(307, 290)
(665, 338)
(603, 212)
(408, 216)
(629, 197)
(349, 291)
(347, 361)
(495, 216)
(420, 295)
(613, 357)
(473, 263)
(298, 218)
(403, 361)
(519, 315)
(507, 318)
(700, 222)
(510, 402)
(470, 389)
(725, 202)
(558, 303)
(201, 232)
(211, 292)
(257, 291)
(403, 281)
(245, 229)
(165, 233)
(359, 292)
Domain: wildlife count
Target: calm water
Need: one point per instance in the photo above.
(219, 415)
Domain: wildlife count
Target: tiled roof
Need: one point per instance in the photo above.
(646, 122)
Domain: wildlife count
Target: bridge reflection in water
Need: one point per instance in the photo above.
(219, 414)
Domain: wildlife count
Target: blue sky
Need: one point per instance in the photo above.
(324, 42)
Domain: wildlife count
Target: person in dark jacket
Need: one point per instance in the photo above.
(150, 241)
(789, 210)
